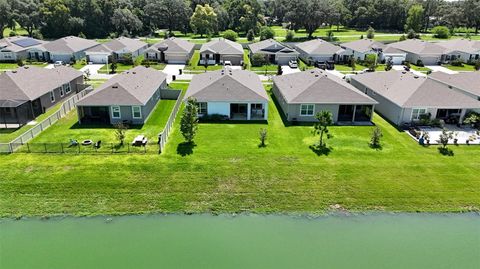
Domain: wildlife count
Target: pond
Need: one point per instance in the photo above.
(245, 241)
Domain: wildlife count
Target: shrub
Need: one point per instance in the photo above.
(403, 38)
(37, 35)
(127, 59)
(457, 62)
(230, 35)
(370, 32)
(477, 65)
(120, 132)
(82, 35)
(258, 60)
(441, 32)
(279, 70)
(20, 62)
(250, 35)
(411, 34)
(420, 63)
(266, 33)
(371, 62)
(13, 33)
(290, 36)
(361, 37)
(389, 64)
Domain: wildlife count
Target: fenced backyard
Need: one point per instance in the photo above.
(66, 107)
(66, 136)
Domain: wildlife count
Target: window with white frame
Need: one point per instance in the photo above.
(66, 88)
(116, 114)
(202, 108)
(62, 91)
(307, 110)
(52, 96)
(418, 112)
(136, 112)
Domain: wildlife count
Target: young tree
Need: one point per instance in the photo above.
(353, 63)
(389, 64)
(279, 70)
(477, 65)
(266, 33)
(120, 132)
(370, 32)
(411, 34)
(445, 137)
(290, 36)
(325, 119)
(371, 61)
(250, 35)
(415, 18)
(189, 121)
(375, 141)
(263, 137)
(113, 65)
(203, 20)
(230, 35)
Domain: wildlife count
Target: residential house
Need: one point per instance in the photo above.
(464, 50)
(235, 94)
(359, 49)
(467, 82)
(129, 97)
(420, 51)
(66, 49)
(16, 48)
(172, 50)
(302, 95)
(273, 51)
(221, 50)
(318, 50)
(404, 97)
(27, 92)
(116, 49)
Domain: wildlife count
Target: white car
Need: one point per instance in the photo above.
(58, 63)
(293, 64)
(227, 63)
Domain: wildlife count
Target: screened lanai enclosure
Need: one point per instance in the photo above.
(15, 113)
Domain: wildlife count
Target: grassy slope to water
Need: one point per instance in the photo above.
(228, 172)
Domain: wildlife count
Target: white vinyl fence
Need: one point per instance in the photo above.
(66, 107)
(163, 136)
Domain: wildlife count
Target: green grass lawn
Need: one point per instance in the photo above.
(228, 172)
(120, 68)
(195, 66)
(12, 66)
(465, 67)
(347, 68)
(420, 68)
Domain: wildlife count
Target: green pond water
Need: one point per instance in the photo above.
(253, 241)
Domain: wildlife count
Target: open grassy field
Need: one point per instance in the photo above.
(228, 172)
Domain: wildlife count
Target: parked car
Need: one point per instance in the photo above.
(293, 64)
(58, 63)
(227, 63)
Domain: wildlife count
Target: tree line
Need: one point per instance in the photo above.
(108, 18)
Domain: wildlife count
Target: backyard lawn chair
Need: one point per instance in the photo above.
(73, 143)
(97, 144)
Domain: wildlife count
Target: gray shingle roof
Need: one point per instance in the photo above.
(466, 81)
(222, 46)
(227, 86)
(318, 87)
(408, 90)
(319, 47)
(462, 45)
(69, 44)
(270, 46)
(32, 82)
(363, 45)
(419, 47)
(133, 87)
(122, 43)
(12, 43)
(173, 45)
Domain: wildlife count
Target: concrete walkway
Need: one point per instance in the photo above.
(438, 68)
(401, 68)
(336, 73)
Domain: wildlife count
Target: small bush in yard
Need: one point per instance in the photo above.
(443, 140)
(189, 121)
(375, 141)
(290, 36)
(230, 35)
(250, 35)
(120, 132)
(477, 65)
(457, 62)
(441, 32)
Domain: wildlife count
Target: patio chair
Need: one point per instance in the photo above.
(97, 144)
(73, 143)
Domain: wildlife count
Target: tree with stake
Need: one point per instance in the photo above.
(263, 137)
(443, 139)
(325, 119)
(189, 121)
(120, 131)
(375, 141)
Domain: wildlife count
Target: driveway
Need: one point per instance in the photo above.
(438, 68)
(288, 70)
(336, 73)
(50, 66)
(401, 68)
(93, 68)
